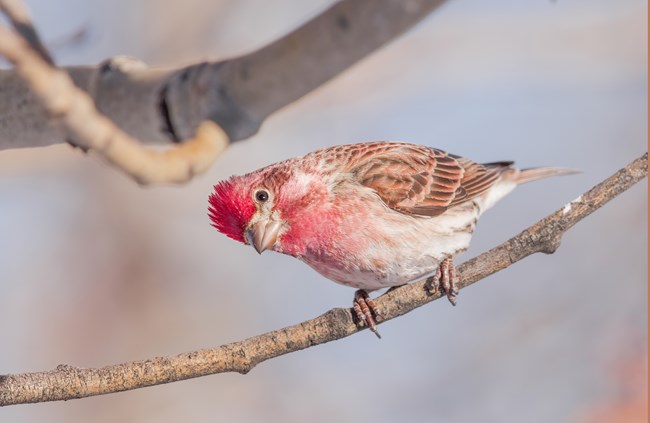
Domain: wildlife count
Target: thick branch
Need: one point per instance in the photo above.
(75, 111)
(67, 382)
(167, 105)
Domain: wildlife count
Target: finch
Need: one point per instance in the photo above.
(368, 216)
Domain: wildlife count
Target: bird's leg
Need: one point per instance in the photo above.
(446, 280)
(365, 310)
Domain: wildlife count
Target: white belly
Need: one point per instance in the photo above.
(400, 249)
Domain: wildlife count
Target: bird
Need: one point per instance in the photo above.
(370, 215)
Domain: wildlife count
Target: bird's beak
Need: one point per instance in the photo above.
(264, 234)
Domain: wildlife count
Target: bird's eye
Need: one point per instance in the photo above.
(262, 196)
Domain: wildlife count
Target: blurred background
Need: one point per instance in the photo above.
(95, 270)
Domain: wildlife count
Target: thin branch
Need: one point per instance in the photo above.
(19, 17)
(89, 129)
(67, 382)
(167, 105)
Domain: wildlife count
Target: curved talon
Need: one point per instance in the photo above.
(445, 280)
(365, 310)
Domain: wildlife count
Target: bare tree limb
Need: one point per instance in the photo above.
(67, 382)
(76, 112)
(167, 105)
(19, 17)
(202, 107)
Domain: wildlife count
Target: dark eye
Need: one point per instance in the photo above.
(262, 196)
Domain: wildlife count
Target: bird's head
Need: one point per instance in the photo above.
(268, 209)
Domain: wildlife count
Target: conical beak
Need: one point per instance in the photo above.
(264, 234)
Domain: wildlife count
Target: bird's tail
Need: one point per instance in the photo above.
(532, 174)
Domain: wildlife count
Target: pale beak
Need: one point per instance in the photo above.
(264, 234)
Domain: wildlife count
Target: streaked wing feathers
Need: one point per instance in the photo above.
(419, 180)
(478, 178)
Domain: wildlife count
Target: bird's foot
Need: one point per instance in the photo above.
(445, 280)
(365, 309)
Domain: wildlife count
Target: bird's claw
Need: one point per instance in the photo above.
(445, 280)
(365, 310)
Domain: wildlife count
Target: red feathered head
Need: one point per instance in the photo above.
(231, 207)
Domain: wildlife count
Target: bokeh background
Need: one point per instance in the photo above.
(95, 270)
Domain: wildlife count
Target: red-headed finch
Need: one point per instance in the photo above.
(368, 216)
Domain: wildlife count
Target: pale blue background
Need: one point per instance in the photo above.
(96, 271)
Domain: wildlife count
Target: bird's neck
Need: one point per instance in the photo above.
(311, 229)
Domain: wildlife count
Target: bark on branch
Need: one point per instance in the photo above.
(67, 382)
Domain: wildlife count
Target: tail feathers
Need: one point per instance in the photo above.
(510, 178)
(532, 174)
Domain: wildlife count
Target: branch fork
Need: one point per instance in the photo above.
(87, 128)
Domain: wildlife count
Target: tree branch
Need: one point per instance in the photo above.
(18, 14)
(67, 382)
(167, 105)
(75, 111)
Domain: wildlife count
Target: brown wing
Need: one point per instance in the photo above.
(417, 180)
(478, 178)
